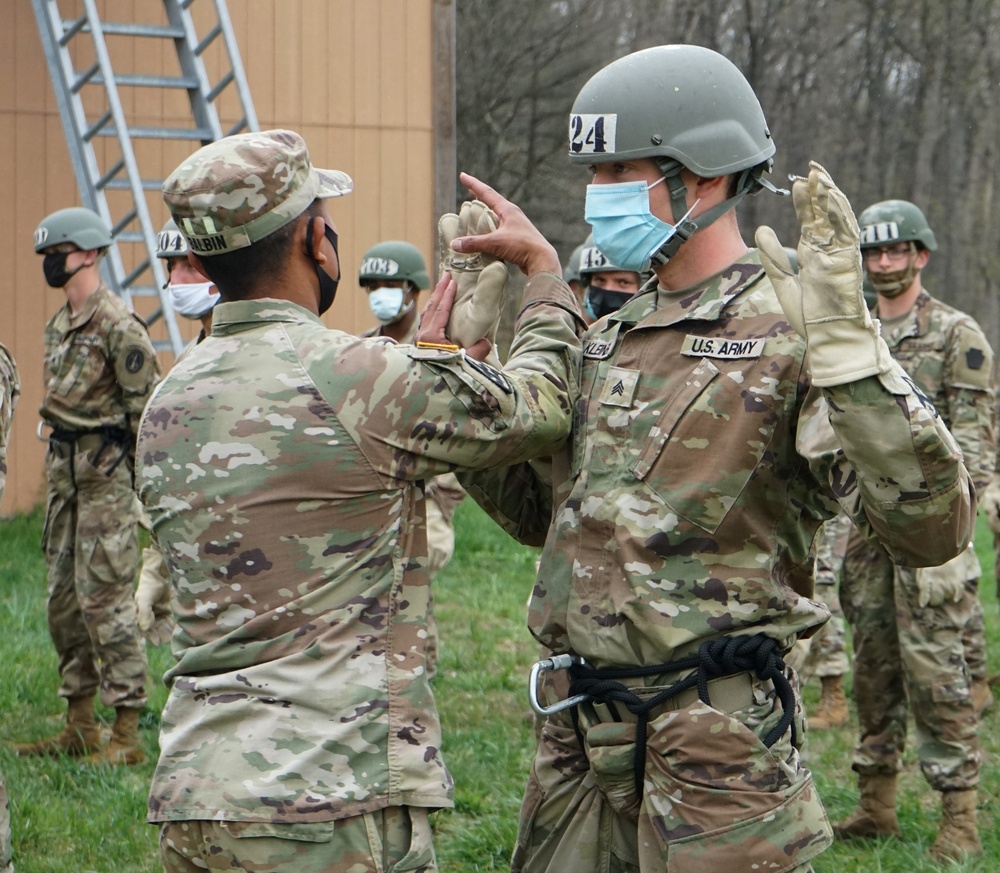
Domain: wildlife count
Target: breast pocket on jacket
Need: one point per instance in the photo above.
(707, 443)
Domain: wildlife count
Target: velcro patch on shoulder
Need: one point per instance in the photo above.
(491, 374)
(722, 347)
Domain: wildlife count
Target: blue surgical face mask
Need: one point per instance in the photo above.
(624, 228)
(386, 304)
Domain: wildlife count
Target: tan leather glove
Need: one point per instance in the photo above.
(989, 503)
(946, 584)
(824, 303)
(481, 278)
(152, 599)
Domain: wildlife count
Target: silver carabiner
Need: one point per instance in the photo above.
(556, 662)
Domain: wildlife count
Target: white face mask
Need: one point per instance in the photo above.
(387, 304)
(194, 300)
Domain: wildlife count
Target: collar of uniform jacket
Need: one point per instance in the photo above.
(705, 302)
(240, 315)
(86, 313)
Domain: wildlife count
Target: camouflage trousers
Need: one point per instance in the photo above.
(974, 635)
(6, 864)
(393, 840)
(713, 797)
(908, 658)
(92, 552)
(825, 653)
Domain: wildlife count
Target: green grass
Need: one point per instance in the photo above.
(70, 818)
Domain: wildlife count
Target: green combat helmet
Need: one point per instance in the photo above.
(571, 272)
(892, 221)
(684, 106)
(82, 227)
(170, 242)
(394, 260)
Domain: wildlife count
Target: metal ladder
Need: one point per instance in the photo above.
(103, 140)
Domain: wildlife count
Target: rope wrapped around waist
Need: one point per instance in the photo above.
(716, 658)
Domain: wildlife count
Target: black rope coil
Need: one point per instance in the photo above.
(725, 656)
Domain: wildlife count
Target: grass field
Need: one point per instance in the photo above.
(70, 818)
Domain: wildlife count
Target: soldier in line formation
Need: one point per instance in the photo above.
(100, 370)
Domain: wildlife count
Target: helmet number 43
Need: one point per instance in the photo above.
(592, 134)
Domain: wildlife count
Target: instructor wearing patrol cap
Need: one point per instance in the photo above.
(282, 464)
(99, 372)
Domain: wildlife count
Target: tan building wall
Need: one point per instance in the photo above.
(361, 80)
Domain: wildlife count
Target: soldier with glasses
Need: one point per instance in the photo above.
(918, 632)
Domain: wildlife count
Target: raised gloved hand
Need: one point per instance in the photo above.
(824, 303)
(481, 278)
(989, 503)
(152, 599)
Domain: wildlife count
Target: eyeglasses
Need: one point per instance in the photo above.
(893, 253)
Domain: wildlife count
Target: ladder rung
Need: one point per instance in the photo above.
(108, 179)
(153, 30)
(96, 128)
(144, 291)
(202, 134)
(137, 80)
(220, 87)
(125, 185)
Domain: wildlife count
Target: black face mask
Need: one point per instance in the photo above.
(327, 285)
(54, 267)
(600, 301)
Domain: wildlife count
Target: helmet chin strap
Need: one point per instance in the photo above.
(749, 182)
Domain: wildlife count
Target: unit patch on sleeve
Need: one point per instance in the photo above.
(722, 347)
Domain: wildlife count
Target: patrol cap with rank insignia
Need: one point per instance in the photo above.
(239, 189)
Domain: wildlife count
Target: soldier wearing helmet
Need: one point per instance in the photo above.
(393, 274)
(192, 293)
(928, 656)
(100, 370)
(706, 452)
(606, 286)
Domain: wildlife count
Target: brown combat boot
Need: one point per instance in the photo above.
(831, 711)
(876, 812)
(124, 747)
(958, 836)
(982, 697)
(79, 737)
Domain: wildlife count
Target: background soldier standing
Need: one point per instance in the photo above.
(10, 389)
(677, 561)
(99, 371)
(393, 274)
(908, 625)
(606, 286)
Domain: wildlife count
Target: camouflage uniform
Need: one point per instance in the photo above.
(825, 652)
(903, 653)
(443, 494)
(282, 465)
(10, 389)
(99, 371)
(688, 515)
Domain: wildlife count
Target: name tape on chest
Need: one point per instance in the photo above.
(598, 349)
(719, 347)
